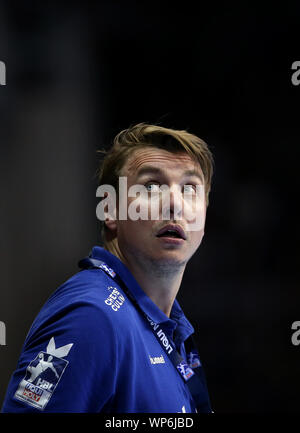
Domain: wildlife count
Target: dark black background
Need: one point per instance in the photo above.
(78, 73)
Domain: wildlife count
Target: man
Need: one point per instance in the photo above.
(114, 334)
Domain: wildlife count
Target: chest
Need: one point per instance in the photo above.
(147, 380)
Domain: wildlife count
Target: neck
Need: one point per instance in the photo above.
(161, 285)
(160, 282)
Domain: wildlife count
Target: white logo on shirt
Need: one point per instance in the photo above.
(157, 359)
(42, 375)
(115, 300)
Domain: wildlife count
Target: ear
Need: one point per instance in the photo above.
(111, 225)
(107, 211)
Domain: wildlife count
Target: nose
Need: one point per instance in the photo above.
(172, 202)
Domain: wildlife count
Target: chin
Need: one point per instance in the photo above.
(170, 257)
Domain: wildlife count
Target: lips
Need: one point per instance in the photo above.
(172, 230)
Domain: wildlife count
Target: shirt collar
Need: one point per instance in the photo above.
(177, 318)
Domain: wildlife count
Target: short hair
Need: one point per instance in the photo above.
(143, 135)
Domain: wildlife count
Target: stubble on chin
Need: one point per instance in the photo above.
(159, 264)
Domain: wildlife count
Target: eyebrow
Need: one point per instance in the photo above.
(148, 169)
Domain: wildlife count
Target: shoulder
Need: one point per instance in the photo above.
(87, 301)
(88, 285)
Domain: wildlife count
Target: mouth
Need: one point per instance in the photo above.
(172, 231)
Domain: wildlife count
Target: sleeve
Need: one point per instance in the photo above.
(68, 364)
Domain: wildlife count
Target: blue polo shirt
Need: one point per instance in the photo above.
(90, 349)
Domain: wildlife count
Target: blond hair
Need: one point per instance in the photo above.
(144, 135)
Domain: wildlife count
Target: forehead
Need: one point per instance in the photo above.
(152, 156)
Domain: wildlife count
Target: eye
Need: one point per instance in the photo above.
(152, 187)
(190, 189)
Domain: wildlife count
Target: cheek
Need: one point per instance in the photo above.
(194, 212)
(200, 236)
(141, 208)
(133, 231)
(196, 240)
